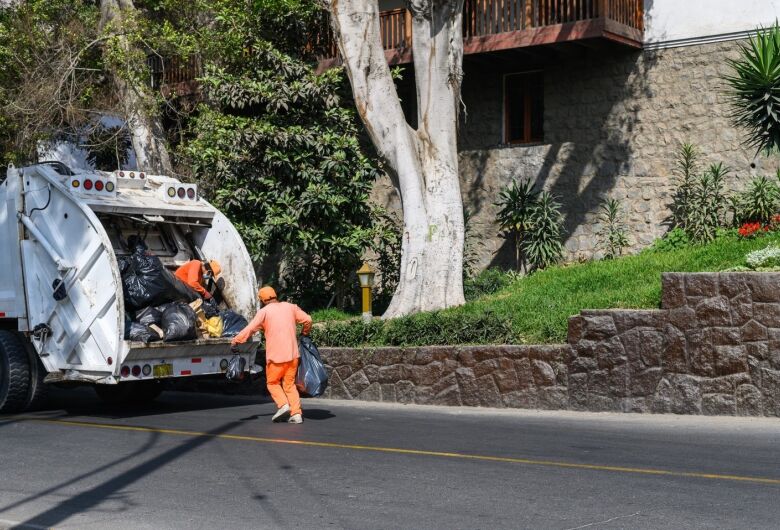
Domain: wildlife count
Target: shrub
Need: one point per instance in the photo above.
(675, 239)
(758, 203)
(612, 235)
(764, 258)
(350, 334)
(749, 230)
(486, 282)
(686, 169)
(516, 202)
(428, 329)
(543, 245)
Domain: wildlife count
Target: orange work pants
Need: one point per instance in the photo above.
(280, 378)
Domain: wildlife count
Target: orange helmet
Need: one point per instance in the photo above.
(266, 294)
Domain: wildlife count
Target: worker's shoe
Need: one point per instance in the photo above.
(295, 418)
(283, 410)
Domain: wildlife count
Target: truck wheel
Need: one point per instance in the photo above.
(129, 393)
(14, 373)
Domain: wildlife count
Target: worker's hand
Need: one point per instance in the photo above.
(207, 296)
(236, 342)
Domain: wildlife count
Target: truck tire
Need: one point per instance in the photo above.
(136, 393)
(14, 373)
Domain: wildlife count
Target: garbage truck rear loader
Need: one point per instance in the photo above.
(62, 313)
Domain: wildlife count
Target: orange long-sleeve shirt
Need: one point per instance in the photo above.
(278, 321)
(191, 273)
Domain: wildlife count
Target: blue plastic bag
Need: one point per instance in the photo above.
(312, 378)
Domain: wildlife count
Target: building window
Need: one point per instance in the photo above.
(524, 108)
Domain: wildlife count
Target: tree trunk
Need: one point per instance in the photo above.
(423, 162)
(146, 131)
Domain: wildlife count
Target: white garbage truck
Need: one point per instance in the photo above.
(62, 309)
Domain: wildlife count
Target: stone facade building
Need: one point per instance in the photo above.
(591, 101)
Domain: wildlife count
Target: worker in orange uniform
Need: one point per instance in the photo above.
(278, 320)
(196, 274)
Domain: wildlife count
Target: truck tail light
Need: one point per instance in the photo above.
(125, 371)
(99, 185)
(110, 187)
(181, 193)
(136, 370)
(87, 184)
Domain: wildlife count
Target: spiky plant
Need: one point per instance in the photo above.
(543, 246)
(755, 89)
(612, 236)
(514, 216)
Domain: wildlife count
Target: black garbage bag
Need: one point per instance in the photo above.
(147, 282)
(141, 333)
(210, 308)
(179, 322)
(236, 369)
(232, 322)
(312, 378)
(149, 316)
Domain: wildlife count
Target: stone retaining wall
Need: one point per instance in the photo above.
(712, 348)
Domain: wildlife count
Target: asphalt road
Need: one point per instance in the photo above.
(205, 461)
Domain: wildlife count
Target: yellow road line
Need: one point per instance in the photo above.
(418, 452)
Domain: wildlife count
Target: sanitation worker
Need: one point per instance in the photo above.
(197, 274)
(278, 321)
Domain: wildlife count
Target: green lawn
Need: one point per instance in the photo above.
(538, 307)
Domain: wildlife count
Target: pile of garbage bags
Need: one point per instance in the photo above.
(160, 307)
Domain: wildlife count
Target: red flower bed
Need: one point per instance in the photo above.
(748, 230)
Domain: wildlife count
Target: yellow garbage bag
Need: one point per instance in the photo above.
(214, 327)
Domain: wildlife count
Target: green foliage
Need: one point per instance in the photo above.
(514, 215)
(613, 237)
(675, 239)
(543, 245)
(278, 152)
(533, 220)
(488, 281)
(108, 147)
(539, 306)
(387, 255)
(758, 203)
(755, 89)
(424, 329)
(699, 202)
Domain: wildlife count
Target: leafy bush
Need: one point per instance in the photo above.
(349, 334)
(675, 239)
(764, 258)
(612, 236)
(543, 245)
(486, 282)
(758, 203)
(755, 89)
(427, 329)
(516, 202)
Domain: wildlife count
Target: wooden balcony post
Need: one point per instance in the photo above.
(407, 28)
(603, 8)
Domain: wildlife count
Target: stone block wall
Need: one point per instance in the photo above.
(614, 119)
(712, 348)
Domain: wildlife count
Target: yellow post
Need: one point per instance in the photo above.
(366, 277)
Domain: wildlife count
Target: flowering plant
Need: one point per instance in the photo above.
(749, 230)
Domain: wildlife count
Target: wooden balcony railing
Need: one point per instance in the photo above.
(491, 25)
(168, 72)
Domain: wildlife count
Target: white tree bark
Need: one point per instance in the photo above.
(424, 161)
(146, 132)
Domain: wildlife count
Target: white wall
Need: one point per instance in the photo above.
(680, 22)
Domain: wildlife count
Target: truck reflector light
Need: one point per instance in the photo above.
(136, 370)
(99, 185)
(122, 174)
(223, 364)
(186, 372)
(109, 187)
(147, 369)
(75, 184)
(181, 193)
(2, 315)
(125, 371)
(191, 193)
(171, 192)
(110, 361)
(196, 360)
(142, 175)
(132, 174)
(87, 184)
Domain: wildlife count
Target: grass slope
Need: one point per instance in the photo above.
(538, 307)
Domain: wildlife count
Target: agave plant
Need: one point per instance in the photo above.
(755, 89)
(543, 246)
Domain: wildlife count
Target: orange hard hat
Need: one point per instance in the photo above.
(266, 294)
